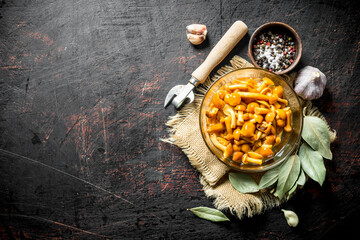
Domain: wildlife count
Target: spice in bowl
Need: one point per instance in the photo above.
(276, 47)
(274, 51)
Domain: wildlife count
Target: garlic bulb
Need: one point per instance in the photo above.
(291, 218)
(196, 33)
(310, 83)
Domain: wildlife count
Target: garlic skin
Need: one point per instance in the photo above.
(310, 83)
(198, 29)
(291, 218)
(195, 39)
(196, 33)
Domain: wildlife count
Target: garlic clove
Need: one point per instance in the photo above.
(291, 218)
(198, 29)
(196, 33)
(195, 39)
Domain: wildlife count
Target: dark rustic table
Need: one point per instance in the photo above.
(81, 118)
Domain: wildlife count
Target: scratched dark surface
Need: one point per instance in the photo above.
(82, 85)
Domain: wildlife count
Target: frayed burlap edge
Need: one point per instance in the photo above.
(257, 205)
(265, 200)
(174, 123)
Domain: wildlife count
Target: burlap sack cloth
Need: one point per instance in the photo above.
(185, 133)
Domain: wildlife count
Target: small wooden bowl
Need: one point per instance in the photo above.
(277, 26)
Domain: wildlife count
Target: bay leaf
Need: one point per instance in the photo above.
(210, 214)
(291, 191)
(299, 182)
(312, 163)
(316, 134)
(243, 182)
(288, 175)
(269, 178)
(302, 179)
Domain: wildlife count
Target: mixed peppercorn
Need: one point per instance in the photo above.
(274, 51)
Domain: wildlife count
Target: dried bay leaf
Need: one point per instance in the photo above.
(312, 163)
(302, 179)
(316, 134)
(299, 182)
(243, 182)
(210, 214)
(288, 174)
(269, 178)
(291, 191)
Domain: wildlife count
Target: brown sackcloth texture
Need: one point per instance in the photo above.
(184, 130)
